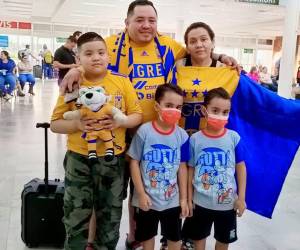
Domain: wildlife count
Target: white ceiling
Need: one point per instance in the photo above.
(226, 17)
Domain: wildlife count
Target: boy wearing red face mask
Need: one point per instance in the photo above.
(214, 197)
(159, 152)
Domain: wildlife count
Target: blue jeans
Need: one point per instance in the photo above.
(23, 78)
(48, 71)
(7, 83)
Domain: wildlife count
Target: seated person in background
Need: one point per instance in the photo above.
(25, 73)
(253, 74)
(7, 75)
(266, 81)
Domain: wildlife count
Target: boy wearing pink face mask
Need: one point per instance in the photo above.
(159, 152)
(214, 197)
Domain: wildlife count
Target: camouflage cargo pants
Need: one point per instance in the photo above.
(99, 186)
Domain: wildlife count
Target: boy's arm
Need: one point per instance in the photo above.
(133, 120)
(183, 179)
(191, 172)
(241, 174)
(62, 126)
(144, 199)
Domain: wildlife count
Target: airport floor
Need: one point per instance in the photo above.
(22, 158)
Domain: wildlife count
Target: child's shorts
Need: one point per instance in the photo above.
(199, 226)
(147, 224)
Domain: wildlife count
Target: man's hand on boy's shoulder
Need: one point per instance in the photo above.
(71, 80)
(239, 207)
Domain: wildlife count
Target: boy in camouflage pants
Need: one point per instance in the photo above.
(98, 186)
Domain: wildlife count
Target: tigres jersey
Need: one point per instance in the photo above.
(122, 96)
(195, 82)
(147, 69)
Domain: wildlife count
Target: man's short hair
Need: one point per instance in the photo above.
(135, 3)
(72, 39)
(89, 37)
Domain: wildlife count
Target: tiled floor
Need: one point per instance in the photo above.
(22, 157)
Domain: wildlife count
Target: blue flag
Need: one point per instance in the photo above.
(269, 126)
(267, 123)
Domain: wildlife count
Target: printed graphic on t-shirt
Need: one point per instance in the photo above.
(212, 174)
(160, 170)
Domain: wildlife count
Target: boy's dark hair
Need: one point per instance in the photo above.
(77, 33)
(72, 39)
(215, 93)
(167, 87)
(89, 37)
(199, 25)
(135, 3)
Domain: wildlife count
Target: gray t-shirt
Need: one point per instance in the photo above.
(214, 160)
(159, 155)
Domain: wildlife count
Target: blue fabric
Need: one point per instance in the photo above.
(23, 78)
(185, 151)
(48, 70)
(7, 83)
(269, 126)
(239, 152)
(9, 66)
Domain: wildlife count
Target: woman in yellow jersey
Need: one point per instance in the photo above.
(200, 42)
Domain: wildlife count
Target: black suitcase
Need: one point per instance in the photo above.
(42, 208)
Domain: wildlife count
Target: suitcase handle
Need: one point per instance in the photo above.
(45, 125)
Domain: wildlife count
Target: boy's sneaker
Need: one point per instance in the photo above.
(89, 246)
(164, 244)
(187, 244)
(134, 245)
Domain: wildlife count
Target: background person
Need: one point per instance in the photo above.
(7, 75)
(25, 74)
(64, 58)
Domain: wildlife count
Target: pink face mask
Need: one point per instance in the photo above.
(170, 115)
(217, 122)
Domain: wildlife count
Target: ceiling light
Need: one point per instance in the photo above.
(81, 15)
(100, 4)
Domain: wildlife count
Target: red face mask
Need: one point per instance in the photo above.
(217, 122)
(170, 116)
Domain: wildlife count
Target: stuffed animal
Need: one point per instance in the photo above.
(95, 106)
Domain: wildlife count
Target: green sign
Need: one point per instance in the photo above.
(248, 51)
(61, 39)
(273, 2)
